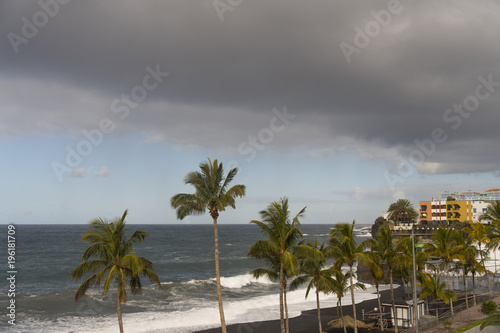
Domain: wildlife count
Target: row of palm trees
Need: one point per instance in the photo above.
(290, 258)
(110, 258)
(110, 254)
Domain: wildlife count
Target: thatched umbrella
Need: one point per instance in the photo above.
(349, 322)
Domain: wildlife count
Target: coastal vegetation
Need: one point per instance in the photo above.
(346, 251)
(110, 255)
(281, 233)
(330, 267)
(212, 193)
(313, 259)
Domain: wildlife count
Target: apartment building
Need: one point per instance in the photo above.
(452, 207)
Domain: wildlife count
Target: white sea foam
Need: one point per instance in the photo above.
(234, 282)
(239, 281)
(207, 315)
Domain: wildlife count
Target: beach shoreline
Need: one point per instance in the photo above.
(307, 321)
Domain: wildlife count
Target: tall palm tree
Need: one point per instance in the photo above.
(341, 285)
(346, 251)
(385, 247)
(282, 234)
(434, 287)
(445, 248)
(479, 234)
(212, 193)
(402, 211)
(312, 261)
(110, 257)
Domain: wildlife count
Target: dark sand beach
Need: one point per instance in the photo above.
(307, 322)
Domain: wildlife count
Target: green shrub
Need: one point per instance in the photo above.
(488, 307)
(447, 324)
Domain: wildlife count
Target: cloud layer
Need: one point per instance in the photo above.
(226, 77)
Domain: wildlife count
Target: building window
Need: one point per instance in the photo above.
(474, 210)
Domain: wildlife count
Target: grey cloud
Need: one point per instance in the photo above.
(227, 76)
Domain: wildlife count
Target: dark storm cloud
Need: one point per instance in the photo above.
(396, 89)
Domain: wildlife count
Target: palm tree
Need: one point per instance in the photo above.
(386, 249)
(404, 264)
(494, 236)
(110, 256)
(212, 193)
(344, 248)
(467, 258)
(434, 287)
(282, 235)
(479, 234)
(492, 320)
(492, 212)
(272, 272)
(313, 260)
(446, 249)
(375, 274)
(341, 284)
(402, 211)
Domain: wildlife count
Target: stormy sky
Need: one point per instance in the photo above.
(342, 106)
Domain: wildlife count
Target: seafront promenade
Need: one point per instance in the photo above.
(465, 317)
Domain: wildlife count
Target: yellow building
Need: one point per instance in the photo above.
(458, 211)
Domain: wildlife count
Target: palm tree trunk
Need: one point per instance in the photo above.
(319, 313)
(342, 315)
(451, 301)
(287, 324)
(119, 308)
(474, 287)
(395, 313)
(282, 320)
(465, 291)
(380, 309)
(217, 278)
(353, 301)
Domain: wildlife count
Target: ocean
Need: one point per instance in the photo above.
(184, 260)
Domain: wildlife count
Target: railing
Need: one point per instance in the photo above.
(432, 323)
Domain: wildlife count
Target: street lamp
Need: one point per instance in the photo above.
(415, 307)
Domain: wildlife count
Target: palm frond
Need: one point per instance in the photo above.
(93, 281)
(260, 272)
(87, 267)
